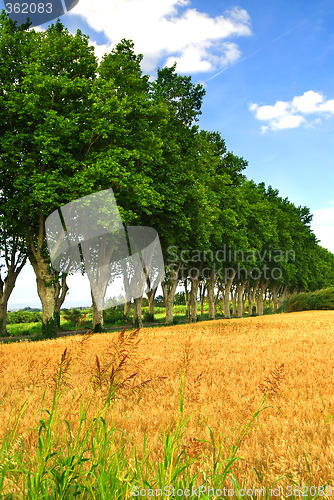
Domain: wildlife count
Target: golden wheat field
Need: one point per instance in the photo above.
(228, 366)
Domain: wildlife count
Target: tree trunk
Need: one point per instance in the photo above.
(97, 267)
(98, 291)
(240, 293)
(60, 291)
(46, 283)
(244, 298)
(47, 293)
(97, 313)
(228, 285)
(6, 287)
(234, 301)
(251, 297)
(259, 302)
(127, 308)
(169, 292)
(203, 290)
(219, 291)
(3, 317)
(169, 288)
(186, 294)
(275, 291)
(193, 299)
(137, 315)
(127, 298)
(260, 299)
(150, 296)
(211, 295)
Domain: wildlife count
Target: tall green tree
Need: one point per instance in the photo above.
(180, 218)
(69, 128)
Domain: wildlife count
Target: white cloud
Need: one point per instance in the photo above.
(168, 31)
(308, 102)
(201, 57)
(323, 226)
(327, 106)
(291, 114)
(270, 112)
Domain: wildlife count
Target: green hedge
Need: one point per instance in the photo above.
(23, 317)
(320, 299)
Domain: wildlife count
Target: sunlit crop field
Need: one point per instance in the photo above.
(226, 366)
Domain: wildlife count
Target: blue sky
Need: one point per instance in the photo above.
(268, 70)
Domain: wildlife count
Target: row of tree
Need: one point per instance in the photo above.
(71, 126)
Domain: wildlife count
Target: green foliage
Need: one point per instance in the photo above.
(320, 299)
(70, 127)
(180, 299)
(72, 315)
(148, 318)
(25, 329)
(22, 316)
(159, 301)
(114, 315)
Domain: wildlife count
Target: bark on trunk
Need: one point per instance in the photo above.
(97, 313)
(244, 298)
(6, 287)
(275, 291)
(211, 296)
(137, 315)
(217, 303)
(169, 289)
(15, 257)
(127, 308)
(60, 291)
(45, 281)
(251, 297)
(150, 297)
(269, 297)
(3, 317)
(234, 301)
(203, 290)
(127, 303)
(47, 293)
(193, 299)
(240, 293)
(186, 294)
(98, 291)
(169, 292)
(228, 285)
(275, 301)
(260, 298)
(97, 267)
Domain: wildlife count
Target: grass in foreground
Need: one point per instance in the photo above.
(103, 421)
